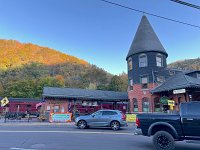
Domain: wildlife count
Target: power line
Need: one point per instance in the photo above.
(186, 4)
(151, 14)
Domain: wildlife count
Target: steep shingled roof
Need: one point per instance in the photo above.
(178, 81)
(84, 94)
(145, 39)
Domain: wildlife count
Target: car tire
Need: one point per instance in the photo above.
(163, 140)
(82, 124)
(115, 125)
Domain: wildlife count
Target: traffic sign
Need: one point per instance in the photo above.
(4, 101)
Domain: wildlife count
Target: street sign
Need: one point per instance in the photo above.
(4, 102)
(179, 91)
(171, 102)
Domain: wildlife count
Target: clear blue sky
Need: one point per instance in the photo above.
(98, 32)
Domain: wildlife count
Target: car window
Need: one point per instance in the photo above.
(98, 113)
(105, 113)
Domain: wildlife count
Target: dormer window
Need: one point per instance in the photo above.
(143, 60)
(130, 64)
(159, 60)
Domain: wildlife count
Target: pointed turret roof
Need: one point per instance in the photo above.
(145, 39)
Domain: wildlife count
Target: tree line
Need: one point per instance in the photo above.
(28, 80)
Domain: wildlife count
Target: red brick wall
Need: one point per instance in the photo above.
(139, 94)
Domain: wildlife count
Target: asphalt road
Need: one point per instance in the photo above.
(71, 138)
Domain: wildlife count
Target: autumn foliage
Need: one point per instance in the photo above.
(26, 68)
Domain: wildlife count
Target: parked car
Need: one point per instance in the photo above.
(102, 118)
(167, 128)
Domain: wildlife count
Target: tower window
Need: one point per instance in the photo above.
(144, 82)
(131, 84)
(130, 65)
(159, 60)
(198, 75)
(143, 60)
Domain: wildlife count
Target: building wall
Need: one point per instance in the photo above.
(50, 104)
(150, 70)
(139, 93)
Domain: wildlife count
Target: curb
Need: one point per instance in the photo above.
(36, 124)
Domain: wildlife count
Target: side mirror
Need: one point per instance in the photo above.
(93, 116)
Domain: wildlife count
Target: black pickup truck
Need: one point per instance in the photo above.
(168, 128)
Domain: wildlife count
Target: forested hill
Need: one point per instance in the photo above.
(15, 54)
(187, 64)
(26, 68)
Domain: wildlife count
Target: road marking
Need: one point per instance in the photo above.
(72, 132)
(15, 148)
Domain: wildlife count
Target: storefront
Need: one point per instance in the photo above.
(82, 101)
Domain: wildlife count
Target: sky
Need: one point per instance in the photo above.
(98, 32)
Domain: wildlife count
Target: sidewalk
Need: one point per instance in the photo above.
(25, 123)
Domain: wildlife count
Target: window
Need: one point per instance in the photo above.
(143, 60)
(56, 109)
(62, 109)
(98, 113)
(130, 65)
(130, 84)
(145, 104)
(144, 82)
(157, 104)
(198, 75)
(131, 88)
(135, 105)
(159, 60)
(105, 113)
(48, 107)
(160, 79)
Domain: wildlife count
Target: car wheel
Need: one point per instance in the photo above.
(163, 140)
(115, 125)
(82, 124)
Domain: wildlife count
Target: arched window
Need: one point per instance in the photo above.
(159, 60)
(157, 105)
(143, 60)
(145, 104)
(130, 64)
(135, 105)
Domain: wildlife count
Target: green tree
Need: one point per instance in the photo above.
(116, 84)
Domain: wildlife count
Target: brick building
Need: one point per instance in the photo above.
(85, 101)
(147, 70)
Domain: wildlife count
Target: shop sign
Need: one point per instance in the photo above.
(171, 103)
(130, 117)
(60, 117)
(179, 91)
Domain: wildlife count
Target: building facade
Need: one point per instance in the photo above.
(148, 74)
(83, 101)
(147, 68)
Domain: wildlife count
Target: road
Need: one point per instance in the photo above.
(71, 138)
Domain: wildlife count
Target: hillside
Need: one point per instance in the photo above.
(187, 64)
(26, 68)
(15, 54)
